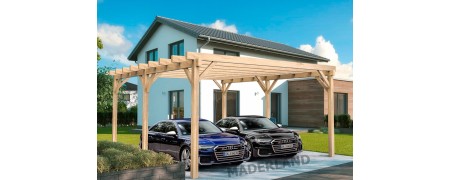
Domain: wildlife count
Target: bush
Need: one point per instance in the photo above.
(123, 118)
(104, 145)
(115, 156)
(325, 120)
(344, 121)
(103, 164)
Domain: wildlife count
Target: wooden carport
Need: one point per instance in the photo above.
(227, 70)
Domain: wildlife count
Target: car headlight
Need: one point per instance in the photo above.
(263, 140)
(206, 146)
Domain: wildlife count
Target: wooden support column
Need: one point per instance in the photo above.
(117, 83)
(224, 89)
(146, 82)
(114, 115)
(330, 115)
(267, 87)
(194, 118)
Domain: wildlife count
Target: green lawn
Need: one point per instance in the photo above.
(124, 134)
(311, 141)
(319, 143)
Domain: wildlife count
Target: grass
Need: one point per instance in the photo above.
(312, 141)
(124, 134)
(319, 143)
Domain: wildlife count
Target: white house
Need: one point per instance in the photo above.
(129, 95)
(170, 97)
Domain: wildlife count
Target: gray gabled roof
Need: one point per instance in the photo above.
(220, 36)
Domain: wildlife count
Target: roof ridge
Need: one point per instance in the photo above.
(225, 31)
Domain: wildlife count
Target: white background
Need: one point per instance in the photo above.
(48, 88)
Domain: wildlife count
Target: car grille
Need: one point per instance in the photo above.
(276, 145)
(219, 152)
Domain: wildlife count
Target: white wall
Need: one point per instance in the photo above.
(251, 95)
(133, 98)
(159, 92)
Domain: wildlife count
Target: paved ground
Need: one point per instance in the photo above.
(343, 171)
(279, 167)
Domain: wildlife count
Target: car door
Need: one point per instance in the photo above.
(154, 138)
(170, 143)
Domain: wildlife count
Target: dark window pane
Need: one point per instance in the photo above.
(181, 49)
(216, 51)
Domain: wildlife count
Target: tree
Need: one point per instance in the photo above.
(99, 46)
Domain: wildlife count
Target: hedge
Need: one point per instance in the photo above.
(341, 121)
(123, 118)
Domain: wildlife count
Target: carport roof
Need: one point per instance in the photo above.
(226, 68)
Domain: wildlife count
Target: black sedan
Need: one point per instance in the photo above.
(264, 137)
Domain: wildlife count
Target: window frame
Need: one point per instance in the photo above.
(225, 52)
(178, 102)
(337, 103)
(155, 55)
(177, 43)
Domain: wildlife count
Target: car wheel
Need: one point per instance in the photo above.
(251, 151)
(185, 157)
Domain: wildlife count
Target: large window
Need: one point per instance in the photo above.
(340, 103)
(176, 48)
(152, 55)
(176, 104)
(225, 52)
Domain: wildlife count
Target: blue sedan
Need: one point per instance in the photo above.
(215, 146)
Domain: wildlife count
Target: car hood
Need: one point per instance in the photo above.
(218, 139)
(275, 133)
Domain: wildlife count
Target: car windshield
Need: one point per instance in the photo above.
(204, 127)
(257, 123)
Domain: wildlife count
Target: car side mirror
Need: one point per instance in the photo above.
(279, 125)
(172, 133)
(233, 130)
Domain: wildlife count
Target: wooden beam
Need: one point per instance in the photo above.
(218, 85)
(178, 58)
(331, 117)
(260, 82)
(152, 64)
(228, 86)
(134, 68)
(253, 61)
(142, 66)
(188, 75)
(273, 85)
(273, 77)
(152, 70)
(118, 71)
(209, 68)
(126, 70)
(323, 84)
(322, 76)
(163, 61)
(194, 121)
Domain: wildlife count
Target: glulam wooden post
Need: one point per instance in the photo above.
(194, 118)
(330, 115)
(114, 111)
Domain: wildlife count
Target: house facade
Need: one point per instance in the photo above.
(308, 101)
(129, 95)
(170, 97)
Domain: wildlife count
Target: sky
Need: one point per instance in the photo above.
(321, 27)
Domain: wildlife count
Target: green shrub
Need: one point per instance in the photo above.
(115, 156)
(103, 164)
(103, 145)
(119, 160)
(344, 121)
(325, 120)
